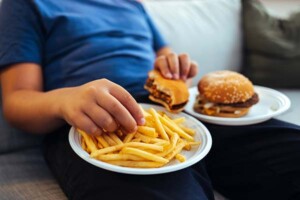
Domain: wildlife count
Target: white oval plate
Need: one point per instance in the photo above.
(193, 156)
(271, 103)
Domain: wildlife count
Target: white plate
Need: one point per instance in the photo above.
(193, 156)
(271, 103)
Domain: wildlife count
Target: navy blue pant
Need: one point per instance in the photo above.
(260, 161)
(257, 162)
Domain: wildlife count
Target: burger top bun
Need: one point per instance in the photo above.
(225, 87)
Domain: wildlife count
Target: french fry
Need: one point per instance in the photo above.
(188, 130)
(99, 145)
(106, 150)
(91, 146)
(175, 128)
(148, 139)
(144, 138)
(95, 141)
(102, 141)
(172, 145)
(187, 147)
(120, 133)
(83, 145)
(144, 154)
(162, 143)
(180, 157)
(158, 124)
(137, 164)
(167, 149)
(174, 140)
(176, 150)
(110, 141)
(194, 143)
(179, 120)
(128, 137)
(117, 156)
(147, 131)
(144, 146)
(168, 131)
(150, 122)
(115, 138)
(136, 140)
(145, 113)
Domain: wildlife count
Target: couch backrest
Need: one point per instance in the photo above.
(209, 30)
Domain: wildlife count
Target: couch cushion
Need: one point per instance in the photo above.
(25, 175)
(13, 139)
(272, 56)
(209, 30)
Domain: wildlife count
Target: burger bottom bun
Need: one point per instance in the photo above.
(221, 111)
(152, 98)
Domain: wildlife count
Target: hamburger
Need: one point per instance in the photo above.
(225, 94)
(172, 94)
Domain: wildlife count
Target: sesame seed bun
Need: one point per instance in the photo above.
(225, 87)
(225, 94)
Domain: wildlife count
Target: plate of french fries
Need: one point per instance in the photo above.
(167, 142)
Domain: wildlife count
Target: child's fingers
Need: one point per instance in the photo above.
(118, 111)
(185, 66)
(173, 62)
(125, 98)
(162, 65)
(101, 117)
(193, 69)
(83, 122)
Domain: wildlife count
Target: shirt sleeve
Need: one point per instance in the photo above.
(21, 35)
(158, 40)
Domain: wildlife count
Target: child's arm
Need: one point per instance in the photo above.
(92, 107)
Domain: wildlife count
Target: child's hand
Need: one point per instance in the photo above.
(100, 106)
(175, 66)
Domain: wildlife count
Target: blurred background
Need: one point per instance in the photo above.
(281, 8)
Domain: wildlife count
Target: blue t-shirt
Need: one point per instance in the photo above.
(76, 41)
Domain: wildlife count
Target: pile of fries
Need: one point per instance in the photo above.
(153, 145)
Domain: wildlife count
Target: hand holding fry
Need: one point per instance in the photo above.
(100, 106)
(152, 145)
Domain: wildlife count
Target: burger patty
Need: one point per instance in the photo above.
(250, 102)
(163, 96)
(156, 93)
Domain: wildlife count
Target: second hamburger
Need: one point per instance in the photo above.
(225, 94)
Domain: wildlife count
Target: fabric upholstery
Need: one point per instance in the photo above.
(208, 30)
(24, 175)
(272, 47)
